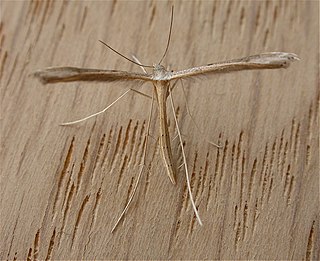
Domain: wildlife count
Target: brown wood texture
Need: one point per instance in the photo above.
(62, 188)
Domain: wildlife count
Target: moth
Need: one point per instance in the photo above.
(163, 81)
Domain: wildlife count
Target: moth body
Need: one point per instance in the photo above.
(162, 89)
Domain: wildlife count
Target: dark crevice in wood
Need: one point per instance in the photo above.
(290, 188)
(266, 37)
(29, 257)
(36, 245)
(223, 162)
(84, 17)
(242, 19)
(245, 220)
(310, 255)
(78, 218)
(153, 13)
(141, 144)
(126, 137)
(105, 160)
(82, 165)
(133, 140)
(65, 212)
(67, 188)
(287, 180)
(256, 214)
(98, 156)
(117, 145)
(122, 169)
(63, 172)
(275, 14)
(253, 173)
(235, 217)
(51, 245)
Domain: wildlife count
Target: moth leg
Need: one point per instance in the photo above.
(174, 85)
(141, 93)
(193, 120)
(143, 166)
(185, 162)
(97, 113)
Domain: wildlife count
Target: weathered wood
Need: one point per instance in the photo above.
(62, 188)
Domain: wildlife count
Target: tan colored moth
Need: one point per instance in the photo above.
(161, 80)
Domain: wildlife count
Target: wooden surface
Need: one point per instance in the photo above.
(62, 188)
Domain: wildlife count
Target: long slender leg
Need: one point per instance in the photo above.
(143, 159)
(193, 120)
(185, 162)
(142, 94)
(105, 109)
(97, 113)
(141, 170)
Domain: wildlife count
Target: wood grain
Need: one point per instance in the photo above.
(62, 188)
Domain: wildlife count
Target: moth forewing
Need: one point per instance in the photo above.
(72, 74)
(272, 60)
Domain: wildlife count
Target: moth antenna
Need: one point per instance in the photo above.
(171, 22)
(149, 66)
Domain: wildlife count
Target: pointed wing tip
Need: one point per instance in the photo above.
(291, 56)
(274, 59)
(288, 58)
(40, 76)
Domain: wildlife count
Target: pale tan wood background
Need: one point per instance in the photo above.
(62, 188)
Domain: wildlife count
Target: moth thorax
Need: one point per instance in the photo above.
(159, 72)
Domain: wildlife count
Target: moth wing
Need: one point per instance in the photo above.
(271, 60)
(71, 74)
